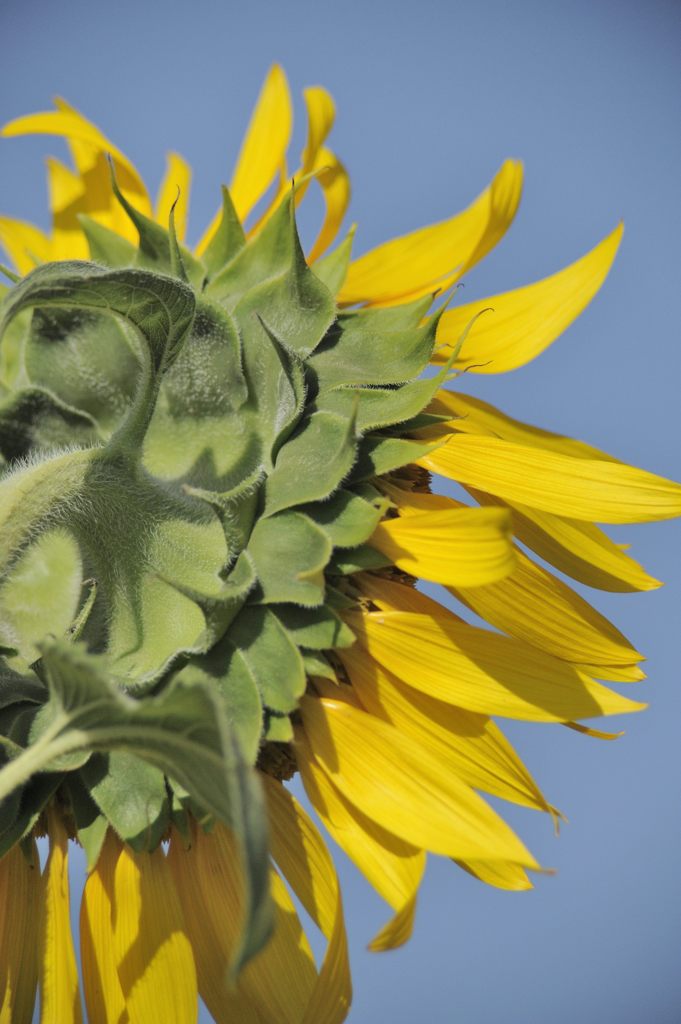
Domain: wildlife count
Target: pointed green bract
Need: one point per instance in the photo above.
(187, 480)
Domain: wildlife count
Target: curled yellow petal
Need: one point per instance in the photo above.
(458, 546)
(20, 886)
(589, 489)
(482, 671)
(402, 786)
(523, 322)
(175, 186)
(467, 744)
(392, 866)
(59, 994)
(153, 954)
(25, 244)
(90, 146)
(434, 257)
(334, 182)
(307, 866)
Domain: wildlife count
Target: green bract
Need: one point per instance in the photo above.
(188, 451)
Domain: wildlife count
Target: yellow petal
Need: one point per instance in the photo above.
(263, 152)
(71, 125)
(59, 995)
(25, 244)
(399, 784)
(536, 606)
(482, 671)
(321, 114)
(522, 323)
(104, 999)
(175, 186)
(477, 417)
(468, 745)
(20, 886)
(307, 866)
(334, 182)
(579, 549)
(213, 931)
(153, 954)
(392, 596)
(67, 200)
(434, 257)
(499, 873)
(589, 489)
(457, 546)
(392, 866)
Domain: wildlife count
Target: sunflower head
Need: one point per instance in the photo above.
(215, 503)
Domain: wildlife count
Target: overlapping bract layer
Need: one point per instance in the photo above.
(215, 498)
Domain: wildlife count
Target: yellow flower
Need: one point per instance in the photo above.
(394, 735)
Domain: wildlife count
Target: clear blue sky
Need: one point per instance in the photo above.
(431, 97)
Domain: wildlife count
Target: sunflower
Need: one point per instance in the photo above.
(218, 493)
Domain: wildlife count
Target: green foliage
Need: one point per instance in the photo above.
(188, 447)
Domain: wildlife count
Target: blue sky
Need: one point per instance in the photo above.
(431, 98)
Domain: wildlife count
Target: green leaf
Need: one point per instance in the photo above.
(106, 246)
(290, 553)
(226, 669)
(358, 560)
(316, 628)
(183, 732)
(317, 665)
(348, 519)
(371, 347)
(91, 825)
(271, 656)
(332, 269)
(161, 308)
(227, 241)
(34, 420)
(15, 687)
(279, 729)
(313, 463)
(86, 359)
(379, 455)
(131, 794)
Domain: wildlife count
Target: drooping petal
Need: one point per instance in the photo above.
(153, 953)
(175, 186)
(588, 489)
(523, 322)
(88, 146)
(59, 994)
(477, 417)
(467, 744)
(25, 244)
(104, 999)
(434, 257)
(536, 606)
(321, 113)
(501, 874)
(482, 671)
(579, 549)
(392, 866)
(307, 866)
(213, 931)
(67, 199)
(334, 182)
(399, 784)
(457, 546)
(20, 886)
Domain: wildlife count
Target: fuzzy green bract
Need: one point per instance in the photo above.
(187, 451)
